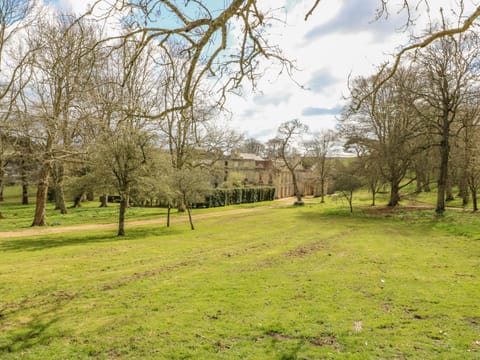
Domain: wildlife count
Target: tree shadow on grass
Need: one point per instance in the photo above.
(360, 213)
(38, 330)
(31, 334)
(49, 241)
(328, 214)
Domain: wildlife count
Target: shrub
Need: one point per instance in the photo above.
(234, 196)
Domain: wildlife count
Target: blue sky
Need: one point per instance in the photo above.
(340, 39)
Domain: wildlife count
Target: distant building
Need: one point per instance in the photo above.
(253, 170)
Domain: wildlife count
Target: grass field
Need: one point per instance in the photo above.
(312, 282)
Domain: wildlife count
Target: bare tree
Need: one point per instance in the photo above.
(347, 181)
(285, 146)
(372, 175)
(193, 135)
(446, 69)
(61, 66)
(203, 33)
(465, 22)
(386, 127)
(424, 165)
(209, 50)
(473, 174)
(321, 148)
(465, 154)
(14, 17)
(125, 88)
(252, 146)
(205, 36)
(191, 186)
(127, 156)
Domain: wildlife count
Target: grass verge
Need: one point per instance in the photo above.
(308, 282)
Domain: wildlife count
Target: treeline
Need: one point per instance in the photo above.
(422, 125)
(89, 105)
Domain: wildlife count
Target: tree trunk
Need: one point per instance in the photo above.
(449, 191)
(443, 175)
(41, 198)
(58, 176)
(168, 215)
(60, 199)
(473, 189)
(422, 179)
(322, 189)
(121, 216)
(2, 176)
(463, 190)
(23, 177)
(190, 218)
(24, 194)
(394, 194)
(90, 196)
(103, 200)
(442, 181)
(181, 206)
(296, 191)
(474, 200)
(189, 212)
(350, 201)
(374, 194)
(418, 188)
(77, 201)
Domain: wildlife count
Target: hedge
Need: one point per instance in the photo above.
(224, 197)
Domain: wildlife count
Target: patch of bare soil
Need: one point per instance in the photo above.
(312, 247)
(475, 320)
(388, 210)
(321, 340)
(141, 275)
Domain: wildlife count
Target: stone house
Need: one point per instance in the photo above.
(254, 170)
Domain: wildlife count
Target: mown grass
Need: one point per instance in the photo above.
(312, 282)
(18, 217)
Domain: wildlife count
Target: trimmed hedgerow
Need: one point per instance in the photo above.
(224, 197)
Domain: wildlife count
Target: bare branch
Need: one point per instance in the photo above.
(381, 81)
(312, 9)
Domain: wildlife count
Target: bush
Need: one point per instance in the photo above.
(235, 196)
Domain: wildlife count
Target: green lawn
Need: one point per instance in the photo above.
(17, 216)
(310, 282)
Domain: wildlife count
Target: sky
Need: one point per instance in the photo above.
(341, 40)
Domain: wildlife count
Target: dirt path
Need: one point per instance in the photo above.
(180, 219)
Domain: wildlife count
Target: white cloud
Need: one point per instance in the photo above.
(339, 40)
(350, 43)
(349, 46)
(75, 6)
(110, 22)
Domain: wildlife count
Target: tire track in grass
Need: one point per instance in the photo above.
(300, 251)
(59, 297)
